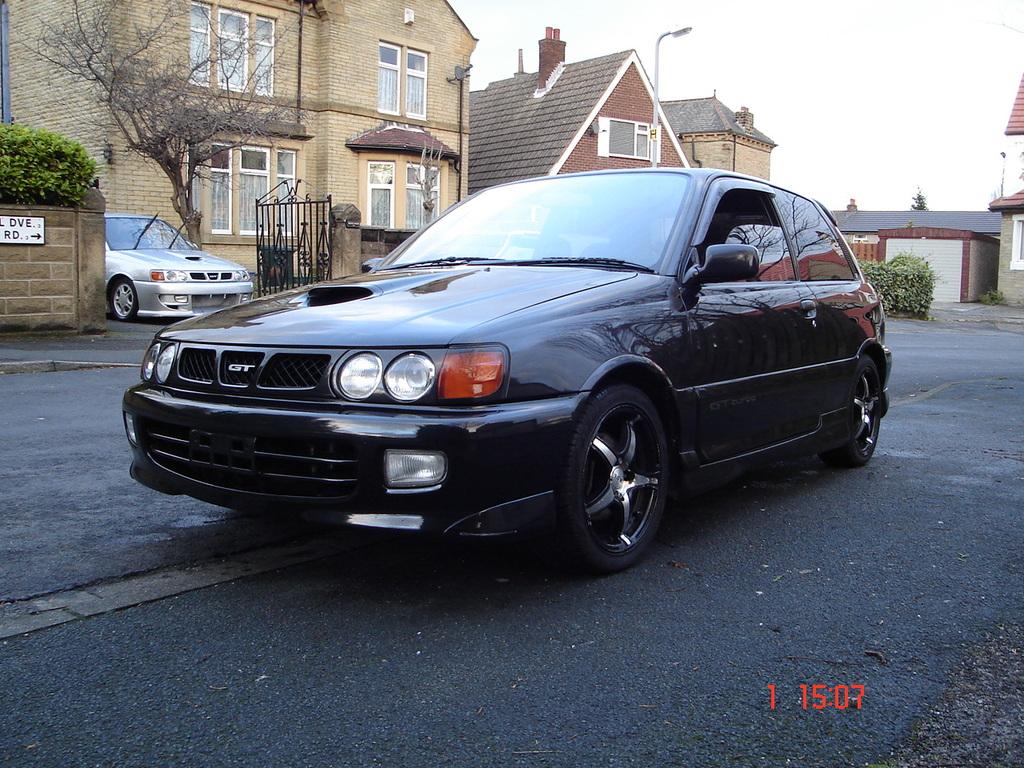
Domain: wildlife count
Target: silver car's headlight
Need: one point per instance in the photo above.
(169, 275)
(164, 362)
(409, 377)
(240, 275)
(360, 376)
(149, 362)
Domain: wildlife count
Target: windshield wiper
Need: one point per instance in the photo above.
(446, 261)
(145, 229)
(573, 261)
(177, 234)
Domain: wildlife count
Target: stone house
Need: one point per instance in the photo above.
(375, 83)
(713, 136)
(585, 115)
(1011, 207)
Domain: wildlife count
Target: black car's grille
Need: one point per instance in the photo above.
(197, 365)
(237, 369)
(285, 371)
(319, 468)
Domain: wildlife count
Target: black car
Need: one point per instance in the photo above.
(557, 355)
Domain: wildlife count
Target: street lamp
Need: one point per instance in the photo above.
(657, 102)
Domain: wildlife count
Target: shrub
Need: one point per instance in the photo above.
(42, 168)
(905, 282)
(992, 297)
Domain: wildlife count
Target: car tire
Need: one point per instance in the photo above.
(865, 403)
(614, 484)
(123, 299)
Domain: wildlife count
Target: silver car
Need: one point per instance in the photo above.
(153, 270)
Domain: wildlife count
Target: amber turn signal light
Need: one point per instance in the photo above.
(471, 373)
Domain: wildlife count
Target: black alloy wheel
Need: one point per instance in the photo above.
(615, 482)
(865, 419)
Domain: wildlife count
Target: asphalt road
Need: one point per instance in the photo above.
(409, 652)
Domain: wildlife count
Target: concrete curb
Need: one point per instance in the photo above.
(49, 366)
(33, 614)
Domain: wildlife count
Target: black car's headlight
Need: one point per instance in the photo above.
(165, 361)
(360, 376)
(409, 377)
(149, 362)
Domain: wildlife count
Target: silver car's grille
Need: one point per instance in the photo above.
(210, 275)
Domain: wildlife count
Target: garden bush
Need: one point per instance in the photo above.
(42, 168)
(905, 282)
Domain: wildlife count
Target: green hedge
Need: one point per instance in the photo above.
(42, 168)
(905, 282)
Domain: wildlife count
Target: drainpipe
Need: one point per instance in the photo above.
(460, 78)
(5, 66)
(298, 77)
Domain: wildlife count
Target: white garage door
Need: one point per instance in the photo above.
(945, 257)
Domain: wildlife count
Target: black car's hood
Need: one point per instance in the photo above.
(412, 307)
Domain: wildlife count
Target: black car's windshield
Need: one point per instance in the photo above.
(123, 232)
(601, 219)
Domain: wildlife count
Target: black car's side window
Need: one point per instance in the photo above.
(747, 216)
(819, 255)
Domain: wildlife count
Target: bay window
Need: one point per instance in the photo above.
(418, 177)
(254, 182)
(220, 192)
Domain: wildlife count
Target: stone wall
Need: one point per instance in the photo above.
(58, 285)
(1011, 281)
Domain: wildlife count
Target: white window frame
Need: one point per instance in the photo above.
(1017, 243)
(229, 172)
(370, 186)
(278, 176)
(222, 77)
(265, 151)
(413, 73)
(638, 130)
(260, 59)
(196, 76)
(397, 69)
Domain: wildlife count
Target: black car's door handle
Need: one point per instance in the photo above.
(809, 308)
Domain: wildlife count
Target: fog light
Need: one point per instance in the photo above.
(414, 469)
(181, 299)
(129, 428)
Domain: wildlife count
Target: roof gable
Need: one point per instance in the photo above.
(1015, 126)
(707, 115)
(514, 134)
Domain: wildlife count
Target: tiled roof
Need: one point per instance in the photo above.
(982, 222)
(1010, 201)
(514, 135)
(400, 138)
(1015, 127)
(707, 115)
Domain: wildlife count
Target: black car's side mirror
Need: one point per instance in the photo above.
(371, 264)
(726, 263)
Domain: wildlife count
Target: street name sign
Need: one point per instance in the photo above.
(22, 230)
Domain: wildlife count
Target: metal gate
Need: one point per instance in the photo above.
(293, 241)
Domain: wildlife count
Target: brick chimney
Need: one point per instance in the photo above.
(852, 206)
(745, 118)
(552, 53)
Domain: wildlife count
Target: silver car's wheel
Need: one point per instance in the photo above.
(124, 299)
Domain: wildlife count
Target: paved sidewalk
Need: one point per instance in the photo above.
(122, 343)
(955, 312)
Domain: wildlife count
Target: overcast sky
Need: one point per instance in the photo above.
(868, 99)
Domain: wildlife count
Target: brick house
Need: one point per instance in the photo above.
(1011, 207)
(566, 117)
(713, 136)
(368, 67)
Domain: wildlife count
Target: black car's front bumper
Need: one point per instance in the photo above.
(503, 459)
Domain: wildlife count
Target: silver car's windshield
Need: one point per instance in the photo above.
(123, 233)
(605, 219)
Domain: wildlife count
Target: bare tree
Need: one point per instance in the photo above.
(159, 97)
(427, 178)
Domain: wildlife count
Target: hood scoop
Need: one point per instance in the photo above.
(336, 294)
(194, 258)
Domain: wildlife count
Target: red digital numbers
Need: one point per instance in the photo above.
(822, 696)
